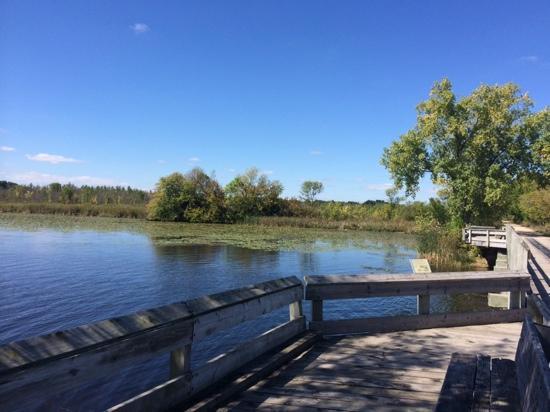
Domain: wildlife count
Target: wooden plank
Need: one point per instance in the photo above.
(504, 386)
(181, 388)
(258, 371)
(23, 387)
(458, 387)
(482, 385)
(363, 286)
(225, 316)
(57, 362)
(399, 323)
(533, 372)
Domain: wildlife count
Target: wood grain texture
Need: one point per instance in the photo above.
(365, 286)
(400, 323)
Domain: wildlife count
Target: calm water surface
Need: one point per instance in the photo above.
(52, 280)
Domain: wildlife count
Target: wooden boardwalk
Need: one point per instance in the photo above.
(385, 371)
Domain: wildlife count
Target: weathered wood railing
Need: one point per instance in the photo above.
(525, 254)
(33, 370)
(485, 236)
(320, 288)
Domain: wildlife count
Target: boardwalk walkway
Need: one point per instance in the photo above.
(386, 371)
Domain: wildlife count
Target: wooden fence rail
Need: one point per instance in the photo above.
(320, 288)
(485, 237)
(33, 370)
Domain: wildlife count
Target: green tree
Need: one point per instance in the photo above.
(193, 197)
(310, 190)
(476, 148)
(253, 194)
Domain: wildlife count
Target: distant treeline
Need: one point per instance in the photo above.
(71, 194)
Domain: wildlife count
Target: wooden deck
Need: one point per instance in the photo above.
(385, 371)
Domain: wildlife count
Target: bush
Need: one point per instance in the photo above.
(442, 245)
(193, 197)
(253, 194)
(535, 206)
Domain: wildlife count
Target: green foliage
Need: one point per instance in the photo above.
(193, 197)
(476, 148)
(442, 245)
(310, 190)
(253, 194)
(535, 206)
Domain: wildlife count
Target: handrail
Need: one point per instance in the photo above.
(484, 236)
(37, 368)
(320, 288)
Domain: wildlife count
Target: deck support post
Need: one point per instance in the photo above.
(423, 304)
(517, 300)
(295, 310)
(180, 361)
(316, 310)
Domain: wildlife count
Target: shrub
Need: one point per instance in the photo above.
(535, 206)
(193, 197)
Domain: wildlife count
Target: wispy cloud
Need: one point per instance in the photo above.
(194, 159)
(7, 149)
(161, 161)
(45, 178)
(51, 158)
(267, 172)
(140, 28)
(316, 153)
(530, 59)
(379, 186)
(231, 170)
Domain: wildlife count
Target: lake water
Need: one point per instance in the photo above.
(56, 279)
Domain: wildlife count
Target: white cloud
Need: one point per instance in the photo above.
(140, 28)
(316, 153)
(379, 186)
(231, 170)
(45, 178)
(194, 159)
(7, 149)
(529, 59)
(267, 172)
(50, 158)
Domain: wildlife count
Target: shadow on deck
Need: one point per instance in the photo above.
(380, 371)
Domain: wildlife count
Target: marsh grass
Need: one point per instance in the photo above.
(368, 224)
(108, 210)
(251, 236)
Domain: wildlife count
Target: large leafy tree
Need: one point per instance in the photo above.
(476, 148)
(193, 197)
(253, 194)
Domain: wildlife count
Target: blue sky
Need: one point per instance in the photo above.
(123, 92)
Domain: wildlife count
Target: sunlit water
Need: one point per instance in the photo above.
(52, 280)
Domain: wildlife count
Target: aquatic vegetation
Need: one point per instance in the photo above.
(243, 235)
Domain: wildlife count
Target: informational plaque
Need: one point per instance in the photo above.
(420, 266)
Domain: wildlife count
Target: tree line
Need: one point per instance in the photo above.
(71, 195)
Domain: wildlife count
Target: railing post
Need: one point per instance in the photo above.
(316, 310)
(423, 304)
(488, 237)
(295, 310)
(180, 361)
